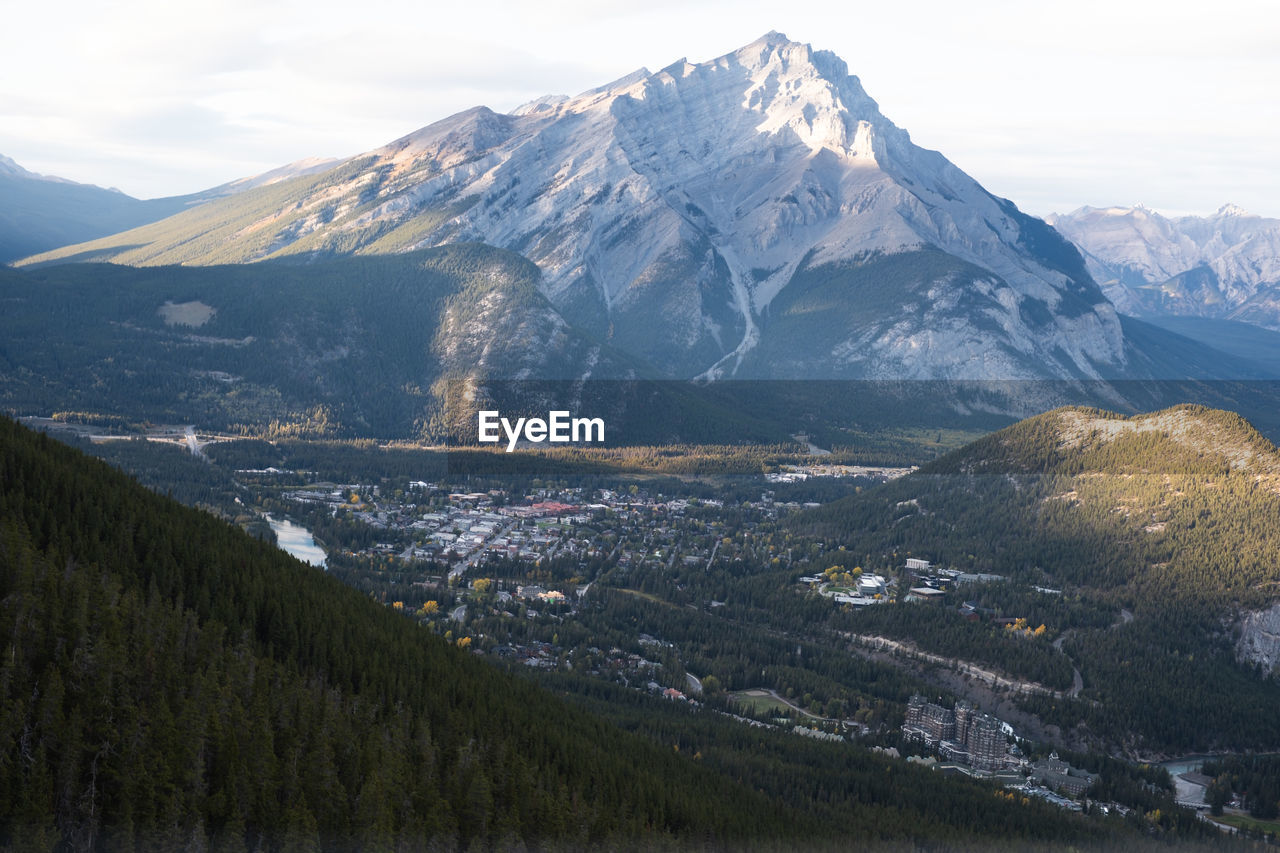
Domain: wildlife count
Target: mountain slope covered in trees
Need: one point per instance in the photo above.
(410, 345)
(1170, 515)
(363, 346)
(168, 681)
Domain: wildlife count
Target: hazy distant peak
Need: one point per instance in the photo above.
(9, 166)
(1225, 265)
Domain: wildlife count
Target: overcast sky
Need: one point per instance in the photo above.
(1172, 104)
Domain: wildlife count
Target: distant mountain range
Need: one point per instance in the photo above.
(755, 216)
(1222, 267)
(41, 212)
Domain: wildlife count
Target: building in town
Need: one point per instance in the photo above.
(1054, 773)
(962, 734)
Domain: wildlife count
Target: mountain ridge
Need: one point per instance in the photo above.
(668, 210)
(1039, 443)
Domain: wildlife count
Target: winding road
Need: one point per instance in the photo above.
(1077, 681)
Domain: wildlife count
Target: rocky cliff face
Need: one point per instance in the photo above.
(672, 209)
(1259, 641)
(1224, 266)
(669, 210)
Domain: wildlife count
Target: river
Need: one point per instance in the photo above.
(1187, 792)
(297, 541)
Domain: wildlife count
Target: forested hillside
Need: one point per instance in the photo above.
(388, 347)
(170, 681)
(1173, 515)
(349, 347)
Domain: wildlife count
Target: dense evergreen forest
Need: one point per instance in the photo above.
(169, 679)
(170, 682)
(1254, 779)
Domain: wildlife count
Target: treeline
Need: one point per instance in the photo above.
(366, 459)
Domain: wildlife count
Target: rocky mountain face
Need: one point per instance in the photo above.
(1224, 266)
(751, 216)
(1259, 641)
